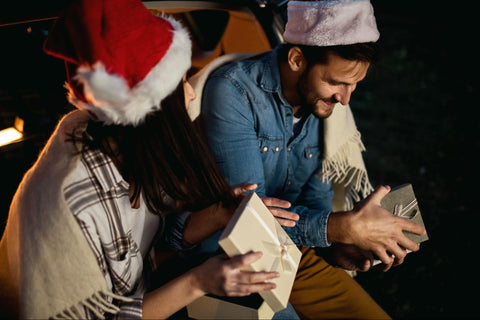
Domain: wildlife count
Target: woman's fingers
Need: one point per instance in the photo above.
(275, 202)
(284, 217)
(244, 187)
(247, 289)
(241, 283)
(243, 260)
(246, 277)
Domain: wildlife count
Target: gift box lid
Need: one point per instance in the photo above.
(402, 201)
(253, 228)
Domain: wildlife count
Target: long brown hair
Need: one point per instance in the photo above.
(167, 153)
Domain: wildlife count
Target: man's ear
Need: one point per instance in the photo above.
(296, 59)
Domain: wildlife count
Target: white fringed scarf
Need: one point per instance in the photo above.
(343, 163)
(47, 268)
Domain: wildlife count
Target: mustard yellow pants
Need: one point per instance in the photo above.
(321, 291)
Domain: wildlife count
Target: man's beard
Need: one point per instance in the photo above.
(308, 103)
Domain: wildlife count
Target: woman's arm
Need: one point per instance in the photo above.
(219, 275)
(204, 223)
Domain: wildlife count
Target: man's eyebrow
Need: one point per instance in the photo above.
(340, 82)
(337, 82)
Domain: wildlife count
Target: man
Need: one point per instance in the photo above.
(282, 120)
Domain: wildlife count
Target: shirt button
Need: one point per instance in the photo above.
(265, 149)
(289, 149)
(310, 155)
(289, 183)
(277, 149)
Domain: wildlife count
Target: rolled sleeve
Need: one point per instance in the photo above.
(173, 231)
(130, 309)
(311, 228)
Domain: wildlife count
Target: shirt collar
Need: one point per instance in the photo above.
(104, 170)
(270, 78)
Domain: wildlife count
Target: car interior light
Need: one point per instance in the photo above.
(12, 134)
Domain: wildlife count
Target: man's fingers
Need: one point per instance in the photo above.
(409, 244)
(398, 254)
(398, 261)
(383, 255)
(413, 227)
(365, 266)
(379, 192)
(382, 267)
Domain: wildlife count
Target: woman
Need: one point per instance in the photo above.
(83, 220)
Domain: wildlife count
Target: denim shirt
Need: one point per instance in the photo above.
(250, 128)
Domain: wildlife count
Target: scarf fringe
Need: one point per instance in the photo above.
(337, 169)
(98, 304)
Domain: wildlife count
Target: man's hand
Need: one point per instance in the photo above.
(372, 228)
(350, 257)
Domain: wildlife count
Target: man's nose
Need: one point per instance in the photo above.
(343, 95)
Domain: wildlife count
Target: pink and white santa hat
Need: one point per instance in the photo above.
(122, 60)
(330, 22)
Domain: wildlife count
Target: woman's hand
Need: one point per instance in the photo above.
(240, 190)
(222, 276)
(218, 275)
(275, 205)
(284, 217)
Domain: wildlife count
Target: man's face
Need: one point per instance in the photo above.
(320, 87)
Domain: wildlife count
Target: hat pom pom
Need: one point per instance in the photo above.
(100, 87)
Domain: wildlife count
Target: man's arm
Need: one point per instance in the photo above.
(230, 127)
(231, 130)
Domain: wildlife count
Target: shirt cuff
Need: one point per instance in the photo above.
(173, 234)
(315, 228)
(130, 309)
(311, 228)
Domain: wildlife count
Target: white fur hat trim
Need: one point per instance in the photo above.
(330, 22)
(113, 102)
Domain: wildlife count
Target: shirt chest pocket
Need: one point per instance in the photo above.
(309, 161)
(271, 149)
(311, 153)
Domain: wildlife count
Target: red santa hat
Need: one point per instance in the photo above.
(122, 60)
(330, 22)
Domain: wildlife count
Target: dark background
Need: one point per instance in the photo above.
(417, 112)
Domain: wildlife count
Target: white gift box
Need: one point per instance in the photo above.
(253, 228)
